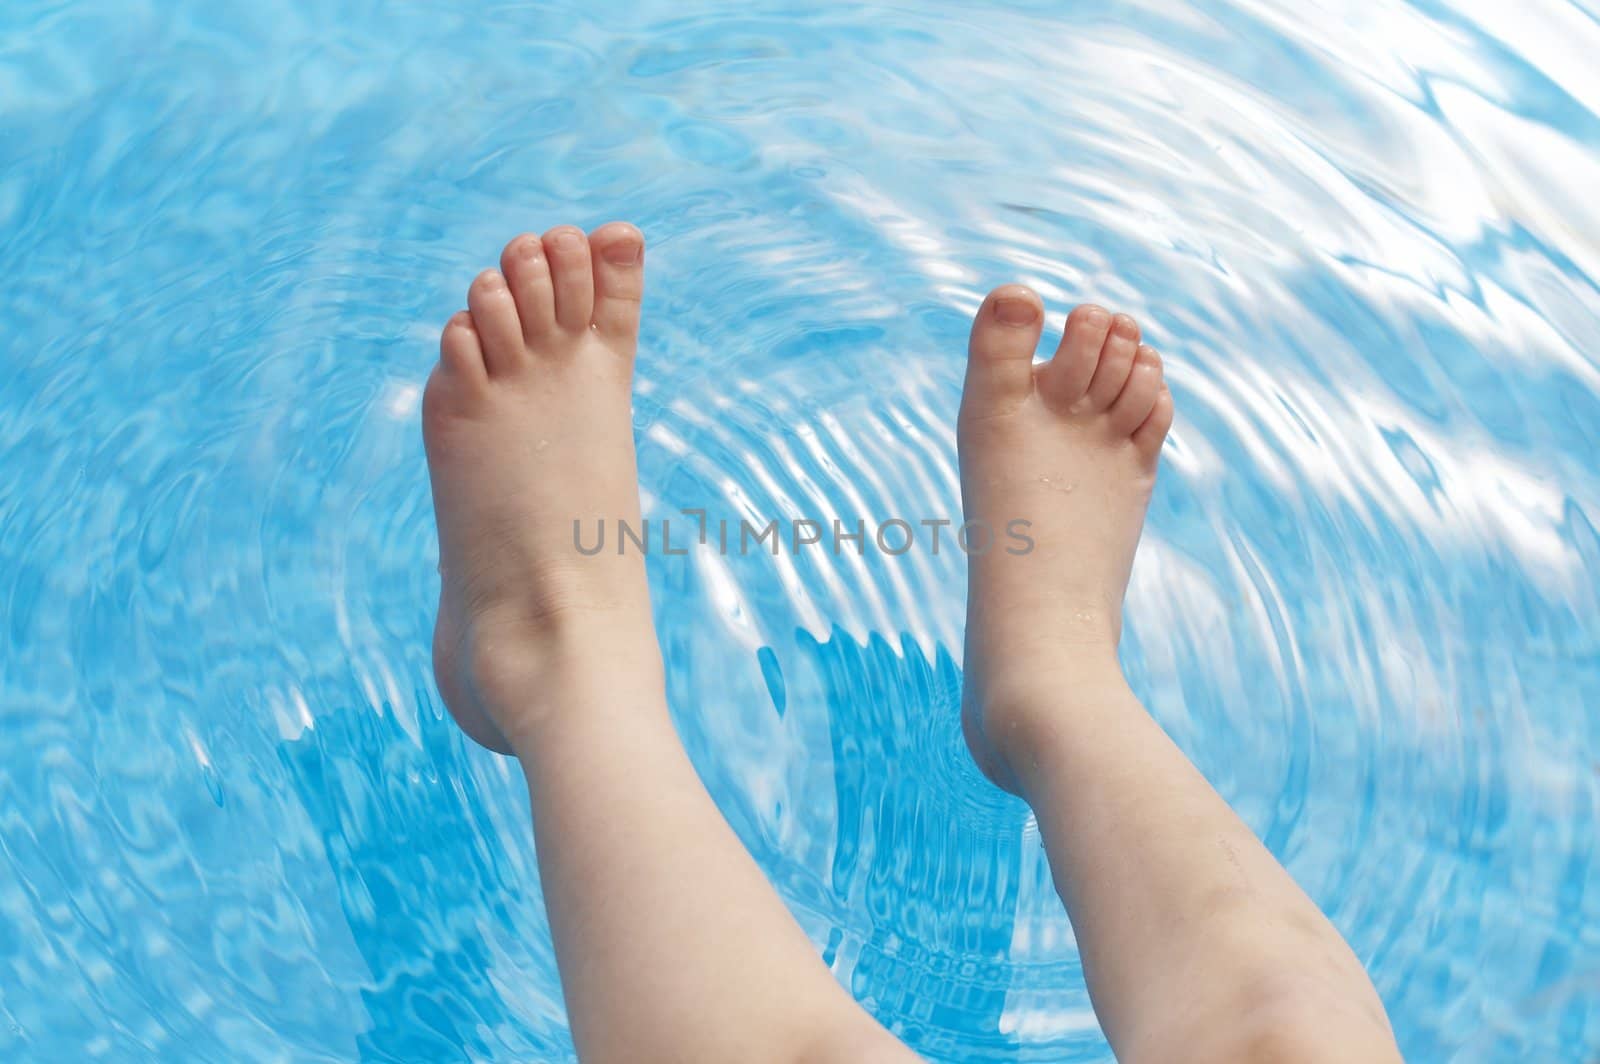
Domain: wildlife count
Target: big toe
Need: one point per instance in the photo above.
(618, 252)
(1005, 333)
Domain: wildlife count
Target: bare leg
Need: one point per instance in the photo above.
(1196, 943)
(671, 944)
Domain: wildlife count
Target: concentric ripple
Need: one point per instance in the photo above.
(235, 822)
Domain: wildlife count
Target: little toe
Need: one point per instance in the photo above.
(1005, 333)
(494, 314)
(1065, 378)
(617, 249)
(460, 352)
(1138, 396)
(1116, 361)
(572, 276)
(1149, 436)
(528, 274)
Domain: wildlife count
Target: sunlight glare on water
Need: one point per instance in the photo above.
(235, 820)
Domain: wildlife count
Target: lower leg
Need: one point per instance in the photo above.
(671, 944)
(1196, 944)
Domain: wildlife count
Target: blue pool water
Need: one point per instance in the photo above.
(235, 822)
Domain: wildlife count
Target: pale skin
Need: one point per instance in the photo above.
(1196, 944)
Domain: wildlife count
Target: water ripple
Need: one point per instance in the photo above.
(234, 817)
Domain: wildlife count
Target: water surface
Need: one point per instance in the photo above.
(235, 822)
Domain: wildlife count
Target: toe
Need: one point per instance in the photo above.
(618, 252)
(1065, 378)
(1138, 395)
(1149, 436)
(494, 315)
(1000, 353)
(528, 273)
(460, 352)
(1116, 361)
(571, 275)
(458, 380)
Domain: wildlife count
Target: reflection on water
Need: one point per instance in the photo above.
(236, 822)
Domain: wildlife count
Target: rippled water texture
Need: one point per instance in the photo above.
(234, 820)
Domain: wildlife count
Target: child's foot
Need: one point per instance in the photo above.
(528, 428)
(1070, 447)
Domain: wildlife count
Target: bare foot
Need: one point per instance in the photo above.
(1071, 447)
(528, 428)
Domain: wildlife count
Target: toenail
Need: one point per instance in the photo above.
(1014, 311)
(1126, 326)
(1097, 318)
(566, 238)
(623, 253)
(528, 249)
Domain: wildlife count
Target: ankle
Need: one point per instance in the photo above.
(527, 672)
(1016, 717)
(595, 710)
